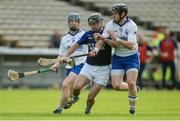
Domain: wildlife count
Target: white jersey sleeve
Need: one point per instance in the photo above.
(67, 41)
(132, 33)
(108, 27)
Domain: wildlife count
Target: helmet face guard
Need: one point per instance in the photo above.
(120, 8)
(95, 18)
(73, 16)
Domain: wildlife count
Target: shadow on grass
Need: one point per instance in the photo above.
(80, 116)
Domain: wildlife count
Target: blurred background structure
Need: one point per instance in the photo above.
(27, 28)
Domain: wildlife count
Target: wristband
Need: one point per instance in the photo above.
(96, 49)
(118, 39)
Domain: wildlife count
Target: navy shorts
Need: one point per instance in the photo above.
(126, 63)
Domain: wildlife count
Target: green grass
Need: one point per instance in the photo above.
(110, 105)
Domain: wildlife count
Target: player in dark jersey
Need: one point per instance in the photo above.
(96, 69)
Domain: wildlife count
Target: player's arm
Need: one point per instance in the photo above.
(76, 45)
(131, 42)
(72, 49)
(106, 35)
(101, 38)
(99, 44)
(127, 44)
(115, 41)
(65, 56)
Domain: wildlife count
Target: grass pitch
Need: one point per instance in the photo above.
(110, 105)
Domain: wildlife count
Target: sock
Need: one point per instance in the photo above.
(75, 98)
(59, 108)
(88, 107)
(132, 108)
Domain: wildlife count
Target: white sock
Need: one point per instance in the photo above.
(132, 107)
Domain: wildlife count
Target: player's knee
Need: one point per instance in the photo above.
(131, 83)
(65, 86)
(115, 86)
(76, 89)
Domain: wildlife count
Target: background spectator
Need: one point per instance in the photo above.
(55, 39)
(145, 55)
(167, 57)
(158, 36)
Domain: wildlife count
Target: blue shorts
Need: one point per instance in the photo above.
(125, 63)
(76, 69)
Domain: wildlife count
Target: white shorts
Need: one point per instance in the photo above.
(97, 74)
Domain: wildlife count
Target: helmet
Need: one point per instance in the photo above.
(72, 16)
(120, 8)
(95, 17)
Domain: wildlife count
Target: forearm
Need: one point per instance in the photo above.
(71, 50)
(116, 42)
(99, 44)
(127, 44)
(112, 43)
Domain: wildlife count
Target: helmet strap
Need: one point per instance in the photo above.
(120, 14)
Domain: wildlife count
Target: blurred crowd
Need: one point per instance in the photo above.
(55, 39)
(157, 58)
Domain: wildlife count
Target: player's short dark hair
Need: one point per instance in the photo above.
(120, 8)
(95, 17)
(75, 16)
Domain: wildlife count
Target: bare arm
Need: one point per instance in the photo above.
(64, 57)
(116, 42)
(71, 50)
(127, 44)
(112, 42)
(98, 46)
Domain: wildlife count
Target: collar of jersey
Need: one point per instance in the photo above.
(74, 33)
(123, 23)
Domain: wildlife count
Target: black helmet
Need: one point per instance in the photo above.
(73, 16)
(95, 17)
(120, 8)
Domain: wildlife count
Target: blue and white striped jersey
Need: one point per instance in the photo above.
(67, 41)
(126, 32)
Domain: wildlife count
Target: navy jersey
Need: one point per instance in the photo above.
(104, 55)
